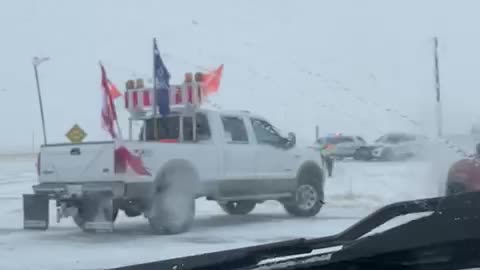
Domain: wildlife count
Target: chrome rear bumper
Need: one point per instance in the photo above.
(69, 190)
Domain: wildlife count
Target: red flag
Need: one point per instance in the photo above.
(109, 115)
(212, 80)
(124, 158)
(114, 92)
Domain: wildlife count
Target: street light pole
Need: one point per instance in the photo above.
(36, 62)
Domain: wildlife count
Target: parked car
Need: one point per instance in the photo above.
(345, 146)
(464, 175)
(392, 146)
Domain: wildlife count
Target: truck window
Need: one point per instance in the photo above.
(234, 129)
(168, 128)
(203, 129)
(266, 133)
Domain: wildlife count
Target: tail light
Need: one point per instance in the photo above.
(37, 164)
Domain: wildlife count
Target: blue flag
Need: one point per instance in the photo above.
(162, 84)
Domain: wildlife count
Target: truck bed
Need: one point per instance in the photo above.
(84, 162)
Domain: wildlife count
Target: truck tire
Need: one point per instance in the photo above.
(173, 214)
(172, 209)
(308, 197)
(238, 207)
(88, 210)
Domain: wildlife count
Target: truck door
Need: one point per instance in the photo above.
(239, 152)
(273, 160)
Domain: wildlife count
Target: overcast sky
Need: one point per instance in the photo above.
(338, 64)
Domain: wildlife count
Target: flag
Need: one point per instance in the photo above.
(123, 157)
(114, 92)
(212, 80)
(162, 82)
(109, 115)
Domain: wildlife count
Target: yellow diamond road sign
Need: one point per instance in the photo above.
(76, 134)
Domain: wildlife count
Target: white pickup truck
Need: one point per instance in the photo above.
(235, 158)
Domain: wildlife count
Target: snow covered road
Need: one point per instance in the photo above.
(356, 189)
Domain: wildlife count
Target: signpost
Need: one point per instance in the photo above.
(76, 134)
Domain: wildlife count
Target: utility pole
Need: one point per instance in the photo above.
(155, 94)
(36, 62)
(437, 89)
(33, 141)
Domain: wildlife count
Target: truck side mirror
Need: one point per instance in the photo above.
(292, 140)
(478, 149)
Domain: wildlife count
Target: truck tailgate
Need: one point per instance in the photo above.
(83, 162)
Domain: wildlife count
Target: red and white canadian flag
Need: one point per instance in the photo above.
(109, 115)
(123, 157)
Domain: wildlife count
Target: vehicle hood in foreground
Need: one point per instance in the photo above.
(447, 238)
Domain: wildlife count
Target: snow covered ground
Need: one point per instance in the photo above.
(356, 189)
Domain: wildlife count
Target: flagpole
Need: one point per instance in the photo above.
(155, 97)
(118, 129)
(37, 61)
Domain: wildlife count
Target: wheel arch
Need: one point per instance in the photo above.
(176, 166)
(311, 167)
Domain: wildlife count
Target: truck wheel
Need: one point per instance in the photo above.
(88, 210)
(172, 208)
(308, 197)
(172, 213)
(238, 207)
